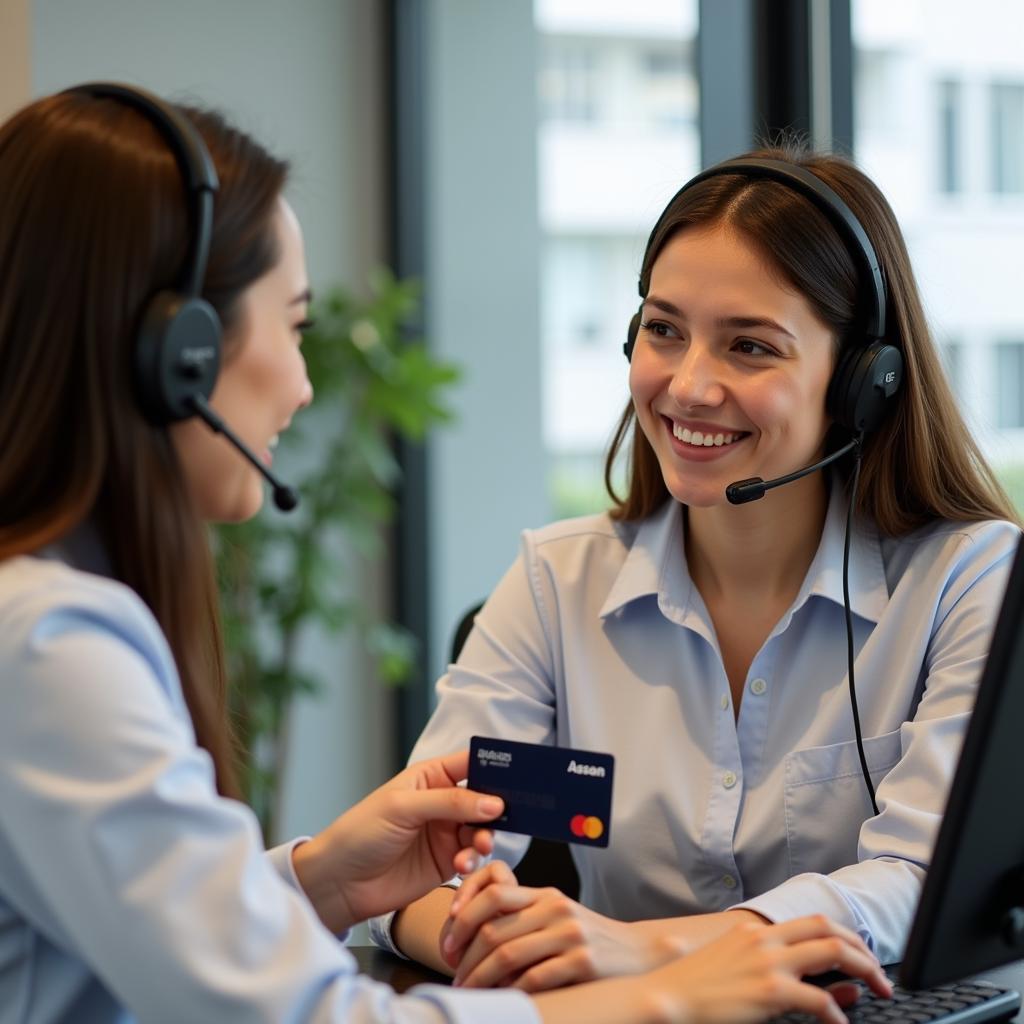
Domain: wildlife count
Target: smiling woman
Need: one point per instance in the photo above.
(711, 647)
(131, 885)
(262, 385)
(740, 357)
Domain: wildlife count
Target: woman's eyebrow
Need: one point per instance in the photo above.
(754, 321)
(305, 296)
(729, 321)
(664, 305)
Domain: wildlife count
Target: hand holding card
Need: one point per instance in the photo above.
(552, 792)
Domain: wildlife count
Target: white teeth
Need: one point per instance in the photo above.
(272, 443)
(700, 439)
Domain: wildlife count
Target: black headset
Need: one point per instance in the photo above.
(869, 371)
(178, 346)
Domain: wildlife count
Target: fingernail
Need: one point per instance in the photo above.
(448, 945)
(489, 806)
(454, 908)
(472, 863)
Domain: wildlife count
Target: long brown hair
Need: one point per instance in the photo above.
(922, 464)
(93, 221)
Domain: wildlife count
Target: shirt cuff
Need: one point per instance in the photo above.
(470, 1006)
(281, 858)
(380, 933)
(808, 894)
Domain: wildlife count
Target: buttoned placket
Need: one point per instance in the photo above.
(737, 751)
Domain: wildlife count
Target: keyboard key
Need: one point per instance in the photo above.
(950, 1002)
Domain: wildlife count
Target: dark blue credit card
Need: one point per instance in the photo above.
(551, 792)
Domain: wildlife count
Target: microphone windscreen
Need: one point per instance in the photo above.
(742, 491)
(285, 497)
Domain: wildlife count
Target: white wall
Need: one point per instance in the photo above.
(15, 70)
(302, 77)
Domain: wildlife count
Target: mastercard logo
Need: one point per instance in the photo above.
(586, 826)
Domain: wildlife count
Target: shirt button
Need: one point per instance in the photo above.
(725, 701)
(728, 881)
(758, 686)
(729, 780)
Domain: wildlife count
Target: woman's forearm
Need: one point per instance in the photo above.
(416, 930)
(684, 934)
(612, 1001)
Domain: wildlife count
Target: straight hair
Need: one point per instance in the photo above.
(922, 464)
(93, 222)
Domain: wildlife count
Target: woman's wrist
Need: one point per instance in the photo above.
(321, 887)
(651, 945)
(672, 937)
(640, 999)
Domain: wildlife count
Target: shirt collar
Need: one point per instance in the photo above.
(656, 564)
(869, 591)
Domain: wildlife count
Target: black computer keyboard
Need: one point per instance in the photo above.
(962, 1002)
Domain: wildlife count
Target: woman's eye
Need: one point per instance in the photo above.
(749, 347)
(658, 328)
(304, 325)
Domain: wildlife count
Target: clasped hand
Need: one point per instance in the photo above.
(503, 934)
(397, 844)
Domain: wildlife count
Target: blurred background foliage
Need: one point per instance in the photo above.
(281, 575)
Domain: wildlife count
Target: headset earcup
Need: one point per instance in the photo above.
(177, 356)
(631, 333)
(863, 386)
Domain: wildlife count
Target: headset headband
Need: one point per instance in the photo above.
(194, 162)
(830, 203)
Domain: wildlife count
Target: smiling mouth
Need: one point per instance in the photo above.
(701, 439)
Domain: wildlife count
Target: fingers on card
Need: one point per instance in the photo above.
(551, 792)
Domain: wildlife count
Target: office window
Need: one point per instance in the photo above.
(1010, 384)
(1008, 137)
(875, 83)
(952, 353)
(612, 150)
(941, 120)
(567, 80)
(950, 137)
(668, 88)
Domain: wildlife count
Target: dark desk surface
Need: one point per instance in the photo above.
(402, 974)
(398, 973)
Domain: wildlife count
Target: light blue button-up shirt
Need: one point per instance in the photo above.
(128, 888)
(597, 638)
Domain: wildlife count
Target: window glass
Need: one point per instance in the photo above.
(949, 136)
(1008, 136)
(1009, 365)
(939, 124)
(618, 135)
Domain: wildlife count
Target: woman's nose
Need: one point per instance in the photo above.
(697, 379)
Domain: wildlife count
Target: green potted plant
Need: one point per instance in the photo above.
(280, 575)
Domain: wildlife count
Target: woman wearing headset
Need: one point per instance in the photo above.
(131, 885)
(705, 643)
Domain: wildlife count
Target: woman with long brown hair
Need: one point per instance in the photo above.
(133, 236)
(782, 660)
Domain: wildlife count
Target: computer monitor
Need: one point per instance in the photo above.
(970, 917)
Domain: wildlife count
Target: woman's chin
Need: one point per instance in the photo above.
(686, 492)
(238, 509)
